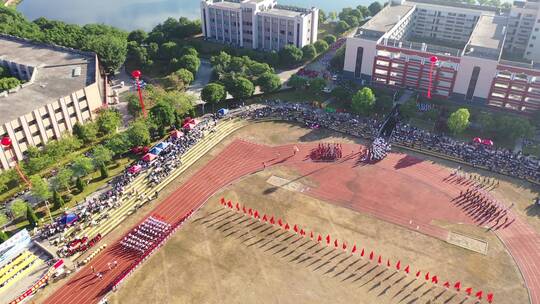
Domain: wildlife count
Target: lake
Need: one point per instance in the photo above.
(145, 14)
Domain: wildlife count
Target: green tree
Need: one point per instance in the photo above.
(168, 50)
(269, 82)
(363, 10)
(79, 184)
(512, 127)
(133, 104)
(3, 235)
(459, 121)
(290, 55)
(108, 121)
(18, 208)
(101, 155)
(162, 114)
(31, 216)
(316, 85)
(241, 88)
(9, 83)
(40, 188)
(62, 179)
(341, 93)
(87, 132)
(535, 118)
(190, 63)
(213, 93)
(322, 16)
(111, 50)
(82, 166)
(297, 82)
(342, 27)
(383, 104)
(408, 109)
(104, 172)
(321, 46)
(330, 39)
(138, 134)
(138, 36)
(3, 221)
(363, 101)
(309, 52)
(118, 144)
(374, 8)
(486, 122)
(332, 16)
(57, 200)
(179, 80)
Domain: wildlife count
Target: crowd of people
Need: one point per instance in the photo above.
(499, 160)
(145, 236)
(379, 150)
(327, 152)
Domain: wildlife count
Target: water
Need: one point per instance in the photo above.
(133, 14)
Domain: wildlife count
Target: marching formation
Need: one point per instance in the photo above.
(144, 236)
(327, 152)
(483, 209)
(378, 150)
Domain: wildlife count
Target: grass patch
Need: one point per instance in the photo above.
(328, 28)
(290, 96)
(422, 124)
(533, 149)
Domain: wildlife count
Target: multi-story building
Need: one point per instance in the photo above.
(394, 49)
(61, 87)
(258, 24)
(524, 29)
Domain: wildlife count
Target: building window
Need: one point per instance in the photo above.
(472, 83)
(359, 58)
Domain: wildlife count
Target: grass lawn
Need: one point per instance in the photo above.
(328, 28)
(422, 124)
(533, 149)
(290, 96)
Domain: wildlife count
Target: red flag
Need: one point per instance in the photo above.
(237, 206)
(250, 211)
(319, 238)
(407, 269)
(335, 243)
(371, 255)
(489, 297)
(353, 249)
(379, 260)
(311, 235)
(222, 201)
(302, 232)
(265, 218)
(287, 226)
(328, 239)
(446, 284)
(479, 295)
(244, 209)
(457, 286)
(295, 228)
(230, 204)
(398, 265)
(468, 291)
(280, 223)
(427, 276)
(272, 220)
(256, 214)
(388, 263)
(435, 280)
(418, 273)
(344, 246)
(362, 253)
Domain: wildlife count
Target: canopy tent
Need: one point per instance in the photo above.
(162, 145)
(477, 140)
(69, 219)
(155, 150)
(148, 157)
(189, 120)
(176, 134)
(487, 142)
(135, 169)
(139, 150)
(188, 126)
(222, 112)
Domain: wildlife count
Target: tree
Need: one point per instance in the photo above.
(213, 93)
(332, 16)
(40, 188)
(321, 46)
(316, 85)
(111, 50)
(297, 82)
(290, 55)
(162, 114)
(342, 27)
(363, 10)
(330, 39)
(9, 83)
(3, 235)
(269, 82)
(118, 144)
(31, 216)
(309, 52)
(512, 127)
(62, 180)
(322, 16)
(374, 8)
(459, 121)
(241, 88)
(133, 105)
(79, 184)
(190, 63)
(341, 93)
(82, 166)
(87, 132)
(103, 171)
(138, 134)
(535, 118)
(408, 109)
(57, 200)
(101, 155)
(486, 122)
(18, 208)
(363, 101)
(383, 104)
(222, 59)
(138, 36)
(179, 80)
(3, 221)
(108, 121)
(168, 50)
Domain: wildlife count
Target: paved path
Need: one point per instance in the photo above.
(399, 201)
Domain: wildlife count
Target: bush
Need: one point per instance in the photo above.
(330, 39)
(9, 83)
(459, 121)
(321, 46)
(290, 55)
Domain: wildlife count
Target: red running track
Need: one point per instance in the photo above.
(388, 190)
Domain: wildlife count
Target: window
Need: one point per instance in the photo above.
(359, 57)
(472, 83)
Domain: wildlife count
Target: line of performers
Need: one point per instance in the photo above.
(145, 235)
(327, 152)
(378, 151)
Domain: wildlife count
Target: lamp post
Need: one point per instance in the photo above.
(433, 61)
(7, 144)
(137, 75)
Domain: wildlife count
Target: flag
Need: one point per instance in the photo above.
(280, 223)
(407, 269)
(362, 253)
(418, 273)
(295, 228)
(256, 214)
(435, 280)
(222, 201)
(237, 206)
(319, 238)
(335, 243)
(468, 291)
(398, 265)
(250, 211)
(311, 235)
(302, 232)
(244, 209)
(344, 246)
(489, 297)
(380, 259)
(265, 218)
(328, 239)
(230, 204)
(371, 255)
(287, 226)
(353, 249)
(446, 284)
(427, 276)
(272, 220)
(479, 295)
(457, 286)
(388, 263)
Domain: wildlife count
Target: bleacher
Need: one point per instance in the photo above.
(18, 268)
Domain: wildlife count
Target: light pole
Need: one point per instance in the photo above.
(433, 61)
(7, 145)
(137, 75)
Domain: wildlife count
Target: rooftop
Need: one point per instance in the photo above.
(449, 4)
(489, 32)
(54, 78)
(227, 4)
(281, 12)
(384, 21)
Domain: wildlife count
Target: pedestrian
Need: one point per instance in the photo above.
(93, 270)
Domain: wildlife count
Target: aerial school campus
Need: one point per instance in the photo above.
(249, 158)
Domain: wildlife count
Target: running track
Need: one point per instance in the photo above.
(337, 183)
